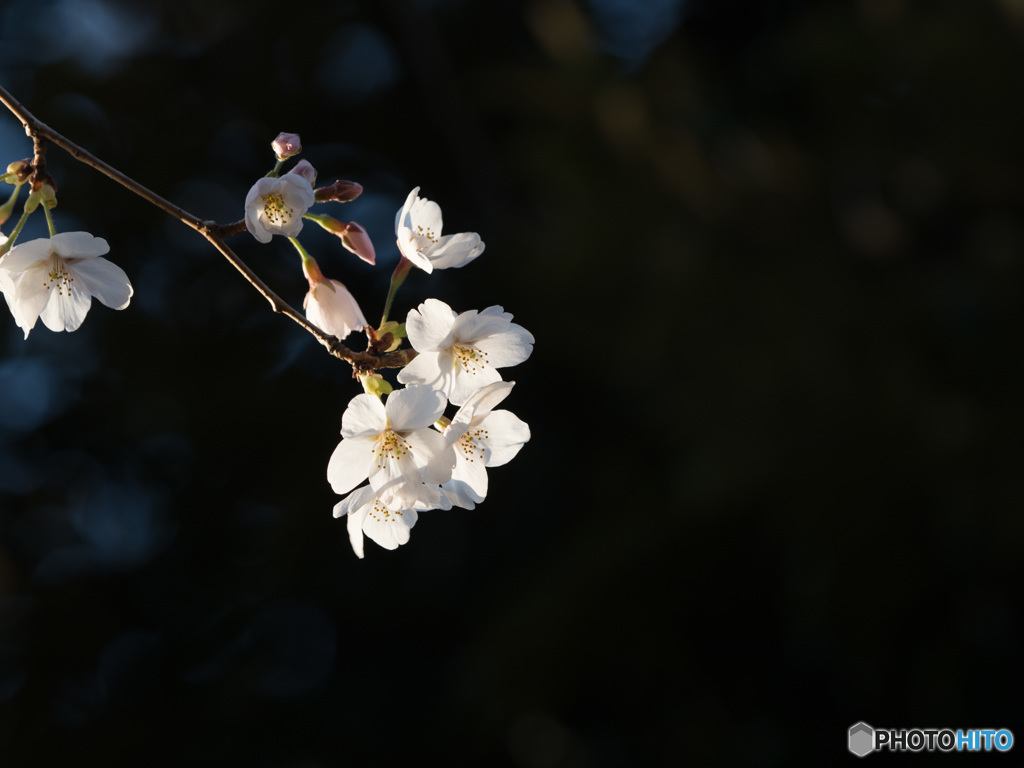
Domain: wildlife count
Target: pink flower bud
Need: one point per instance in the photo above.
(340, 191)
(286, 145)
(355, 239)
(304, 169)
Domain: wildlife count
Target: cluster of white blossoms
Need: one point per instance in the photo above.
(398, 442)
(399, 454)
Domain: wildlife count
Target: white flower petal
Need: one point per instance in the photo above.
(402, 217)
(334, 311)
(482, 402)
(394, 476)
(453, 251)
(434, 369)
(508, 348)
(364, 417)
(103, 279)
(350, 464)
(470, 471)
(390, 529)
(414, 407)
(470, 378)
(430, 326)
(472, 325)
(461, 495)
(25, 255)
(78, 245)
(506, 435)
(433, 455)
(66, 309)
(26, 296)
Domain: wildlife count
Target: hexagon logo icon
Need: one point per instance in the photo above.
(862, 739)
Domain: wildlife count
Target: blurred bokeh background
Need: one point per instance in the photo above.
(771, 252)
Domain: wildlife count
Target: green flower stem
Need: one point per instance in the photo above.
(306, 258)
(397, 278)
(276, 170)
(14, 233)
(7, 208)
(49, 220)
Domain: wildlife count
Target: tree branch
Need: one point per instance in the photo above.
(215, 233)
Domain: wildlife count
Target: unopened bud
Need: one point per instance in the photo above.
(340, 191)
(304, 169)
(375, 384)
(18, 172)
(355, 239)
(286, 145)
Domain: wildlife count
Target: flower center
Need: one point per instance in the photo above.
(391, 447)
(58, 275)
(470, 358)
(382, 514)
(427, 233)
(276, 210)
(472, 444)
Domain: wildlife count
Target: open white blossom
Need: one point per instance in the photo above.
(367, 514)
(483, 437)
(460, 353)
(274, 206)
(55, 278)
(418, 229)
(394, 447)
(331, 307)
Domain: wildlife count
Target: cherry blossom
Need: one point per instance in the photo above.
(460, 353)
(392, 445)
(274, 206)
(367, 514)
(55, 278)
(482, 437)
(418, 229)
(329, 305)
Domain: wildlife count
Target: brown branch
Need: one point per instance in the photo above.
(215, 233)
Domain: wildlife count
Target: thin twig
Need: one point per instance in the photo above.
(213, 232)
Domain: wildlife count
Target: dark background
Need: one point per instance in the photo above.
(771, 253)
